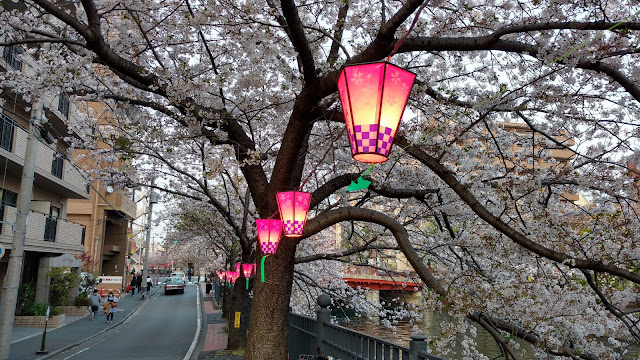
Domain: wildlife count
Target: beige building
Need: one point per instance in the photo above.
(52, 239)
(109, 212)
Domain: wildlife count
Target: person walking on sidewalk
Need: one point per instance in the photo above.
(134, 285)
(95, 303)
(110, 305)
(139, 280)
(149, 283)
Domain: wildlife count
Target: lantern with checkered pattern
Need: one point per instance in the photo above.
(373, 98)
(294, 208)
(269, 231)
(248, 270)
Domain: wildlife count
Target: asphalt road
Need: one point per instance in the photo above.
(162, 329)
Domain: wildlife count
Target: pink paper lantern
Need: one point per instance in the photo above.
(248, 270)
(373, 98)
(238, 267)
(294, 208)
(234, 276)
(220, 274)
(269, 231)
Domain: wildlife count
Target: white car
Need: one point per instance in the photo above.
(174, 284)
(179, 274)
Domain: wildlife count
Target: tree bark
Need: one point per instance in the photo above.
(268, 330)
(239, 296)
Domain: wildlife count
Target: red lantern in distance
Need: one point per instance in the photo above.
(373, 98)
(269, 231)
(294, 208)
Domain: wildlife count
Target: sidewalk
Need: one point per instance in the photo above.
(25, 341)
(216, 338)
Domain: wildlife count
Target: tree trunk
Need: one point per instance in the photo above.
(268, 330)
(239, 296)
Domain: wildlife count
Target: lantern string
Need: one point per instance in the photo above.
(415, 20)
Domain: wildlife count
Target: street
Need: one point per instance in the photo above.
(162, 329)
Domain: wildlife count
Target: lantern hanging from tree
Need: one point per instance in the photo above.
(293, 207)
(373, 98)
(247, 271)
(269, 231)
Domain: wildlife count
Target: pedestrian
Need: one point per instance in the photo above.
(134, 285)
(109, 306)
(95, 303)
(149, 283)
(208, 284)
(139, 279)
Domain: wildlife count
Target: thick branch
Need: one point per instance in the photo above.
(465, 194)
(299, 40)
(331, 217)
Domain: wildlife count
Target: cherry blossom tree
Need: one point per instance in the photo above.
(256, 82)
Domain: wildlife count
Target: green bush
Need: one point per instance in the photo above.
(82, 301)
(61, 281)
(37, 309)
(26, 298)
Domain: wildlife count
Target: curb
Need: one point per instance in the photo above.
(202, 331)
(69, 347)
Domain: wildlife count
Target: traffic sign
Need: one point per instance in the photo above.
(2, 251)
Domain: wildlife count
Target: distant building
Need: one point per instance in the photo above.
(109, 212)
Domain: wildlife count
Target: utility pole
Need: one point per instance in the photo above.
(14, 271)
(145, 272)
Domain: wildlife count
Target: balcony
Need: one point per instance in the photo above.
(120, 202)
(109, 251)
(45, 233)
(53, 173)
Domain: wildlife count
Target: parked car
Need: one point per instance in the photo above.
(174, 284)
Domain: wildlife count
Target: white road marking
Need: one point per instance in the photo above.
(69, 357)
(195, 338)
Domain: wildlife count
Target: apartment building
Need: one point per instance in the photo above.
(110, 211)
(52, 240)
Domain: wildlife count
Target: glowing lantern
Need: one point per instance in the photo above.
(293, 207)
(373, 99)
(247, 271)
(269, 234)
(220, 274)
(234, 276)
(238, 267)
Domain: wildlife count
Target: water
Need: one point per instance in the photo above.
(432, 325)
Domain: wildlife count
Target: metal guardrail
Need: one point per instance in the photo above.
(317, 338)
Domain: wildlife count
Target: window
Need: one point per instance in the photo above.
(6, 132)
(51, 224)
(9, 198)
(56, 165)
(11, 56)
(84, 230)
(63, 104)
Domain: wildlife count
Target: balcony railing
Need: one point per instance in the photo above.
(14, 139)
(43, 228)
